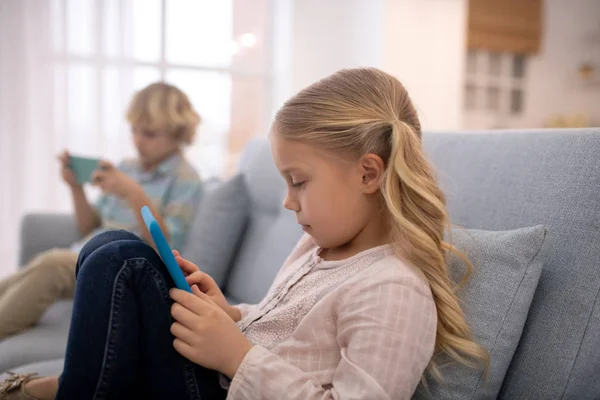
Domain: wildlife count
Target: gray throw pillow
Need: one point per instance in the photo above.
(496, 301)
(218, 227)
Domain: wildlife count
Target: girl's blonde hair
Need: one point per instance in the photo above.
(163, 108)
(362, 111)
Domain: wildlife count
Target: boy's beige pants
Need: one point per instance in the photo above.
(26, 295)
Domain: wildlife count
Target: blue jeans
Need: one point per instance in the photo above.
(120, 345)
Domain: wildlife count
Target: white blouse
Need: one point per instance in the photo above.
(360, 328)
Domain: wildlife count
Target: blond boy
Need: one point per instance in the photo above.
(162, 122)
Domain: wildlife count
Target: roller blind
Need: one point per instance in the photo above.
(513, 26)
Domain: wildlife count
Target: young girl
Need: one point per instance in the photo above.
(358, 310)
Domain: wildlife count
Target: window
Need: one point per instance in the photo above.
(214, 50)
(493, 98)
(518, 66)
(516, 101)
(494, 88)
(470, 97)
(471, 62)
(495, 64)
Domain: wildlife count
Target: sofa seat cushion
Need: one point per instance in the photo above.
(52, 367)
(47, 340)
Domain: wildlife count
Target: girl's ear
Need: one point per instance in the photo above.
(372, 169)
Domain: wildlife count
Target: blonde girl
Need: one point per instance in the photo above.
(360, 307)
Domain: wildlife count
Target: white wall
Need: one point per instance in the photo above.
(314, 38)
(420, 42)
(425, 48)
(334, 34)
(552, 85)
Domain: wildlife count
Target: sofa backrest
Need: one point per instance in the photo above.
(271, 232)
(496, 181)
(512, 179)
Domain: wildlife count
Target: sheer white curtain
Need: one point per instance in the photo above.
(28, 136)
(55, 93)
(69, 67)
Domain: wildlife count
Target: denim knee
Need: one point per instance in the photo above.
(107, 237)
(103, 239)
(133, 261)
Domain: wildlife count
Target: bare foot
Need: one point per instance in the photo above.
(43, 388)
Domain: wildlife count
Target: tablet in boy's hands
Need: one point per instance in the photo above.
(83, 168)
(164, 250)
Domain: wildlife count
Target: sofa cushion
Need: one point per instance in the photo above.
(496, 300)
(271, 233)
(52, 367)
(47, 340)
(509, 179)
(217, 228)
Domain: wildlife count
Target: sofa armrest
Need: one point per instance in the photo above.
(43, 231)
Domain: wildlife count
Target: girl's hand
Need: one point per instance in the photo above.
(66, 172)
(205, 334)
(113, 181)
(206, 284)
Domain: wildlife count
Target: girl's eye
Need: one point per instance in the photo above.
(298, 184)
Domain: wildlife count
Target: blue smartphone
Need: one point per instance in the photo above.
(83, 168)
(164, 250)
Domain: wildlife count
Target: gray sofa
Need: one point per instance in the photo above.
(494, 181)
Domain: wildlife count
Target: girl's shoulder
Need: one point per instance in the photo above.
(392, 270)
(384, 293)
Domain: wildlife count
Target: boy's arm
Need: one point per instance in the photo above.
(178, 212)
(86, 215)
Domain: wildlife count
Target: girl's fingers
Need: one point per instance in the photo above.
(185, 265)
(199, 293)
(195, 278)
(183, 348)
(186, 305)
(200, 279)
(183, 315)
(181, 332)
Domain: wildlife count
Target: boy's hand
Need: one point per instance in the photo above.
(206, 284)
(66, 172)
(204, 333)
(113, 181)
